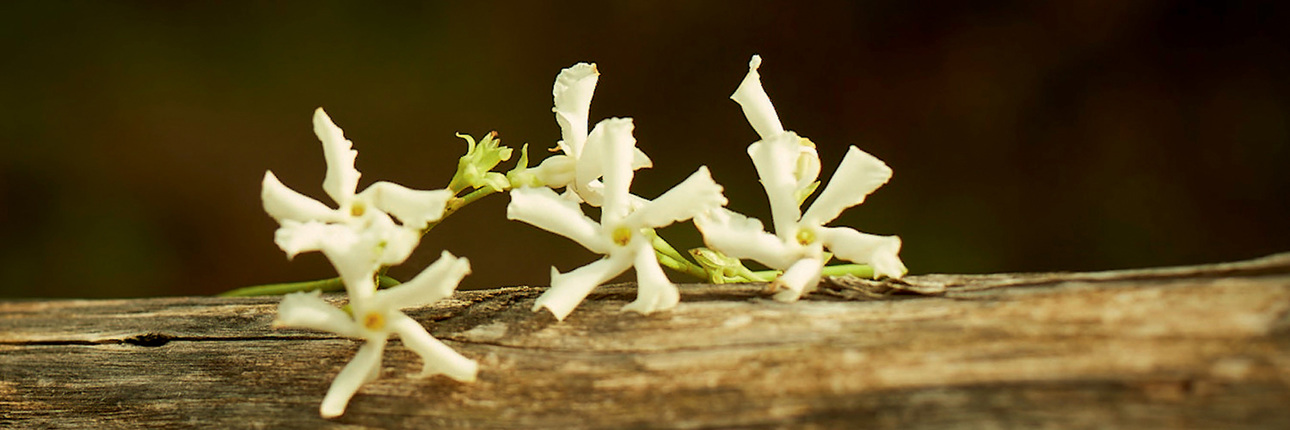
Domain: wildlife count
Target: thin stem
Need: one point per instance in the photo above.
(857, 270)
(324, 285)
(681, 266)
(675, 260)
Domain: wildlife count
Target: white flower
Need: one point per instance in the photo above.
(578, 168)
(623, 233)
(798, 245)
(374, 319)
(359, 235)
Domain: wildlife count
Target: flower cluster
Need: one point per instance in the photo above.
(379, 227)
(359, 237)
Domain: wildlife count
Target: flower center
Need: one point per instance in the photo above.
(357, 209)
(374, 321)
(622, 235)
(805, 236)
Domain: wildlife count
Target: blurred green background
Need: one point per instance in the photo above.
(1025, 136)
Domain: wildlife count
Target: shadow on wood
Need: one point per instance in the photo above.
(1203, 346)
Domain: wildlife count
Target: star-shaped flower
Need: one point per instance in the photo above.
(578, 168)
(360, 223)
(798, 245)
(374, 318)
(623, 234)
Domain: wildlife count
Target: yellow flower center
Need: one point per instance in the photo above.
(374, 321)
(357, 209)
(622, 235)
(805, 236)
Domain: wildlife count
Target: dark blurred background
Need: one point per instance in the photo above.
(1025, 136)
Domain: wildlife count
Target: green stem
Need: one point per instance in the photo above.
(457, 203)
(668, 256)
(682, 266)
(858, 270)
(324, 285)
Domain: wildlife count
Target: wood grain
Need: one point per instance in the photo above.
(1190, 347)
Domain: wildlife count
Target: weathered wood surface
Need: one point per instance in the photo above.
(1195, 347)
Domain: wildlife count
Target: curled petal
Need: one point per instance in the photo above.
(775, 160)
(858, 176)
(880, 252)
(435, 283)
(366, 363)
(573, 89)
(696, 195)
(756, 104)
(308, 310)
(542, 208)
(568, 289)
(283, 203)
(800, 278)
(609, 153)
(414, 208)
(654, 291)
(555, 171)
(807, 169)
(342, 178)
(436, 358)
(741, 237)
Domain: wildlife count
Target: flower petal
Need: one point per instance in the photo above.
(654, 292)
(800, 278)
(738, 236)
(435, 283)
(414, 208)
(573, 89)
(756, 104)
(342, 177)
(358, 371)
(283, 203)
(880, 252)
(619, 146)
(775, 160)
(696, 195)
(555, 171)
(542, 208)
(858, 176)
(568, 289)
(295, 237)
(436, 358)
(308, 310)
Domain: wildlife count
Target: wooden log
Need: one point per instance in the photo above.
(1190, 347)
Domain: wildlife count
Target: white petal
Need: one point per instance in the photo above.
(800, 278)
(357, 372)
(555, 171)
(775, 160)
(542, 208)
(744, 238)
(880, 252)
(435, 283)
(697, 194)
(857, 176)
(282, 202)
(414, 208)
(568, 289)
(308, 310)
(295, 237)
(614, 137)
(396, 243)
(357, 262)
(342, 177)
(807, 169)
(756, 104)
(436, 358)
(573, 89)
(640, 160)
(654, 292)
